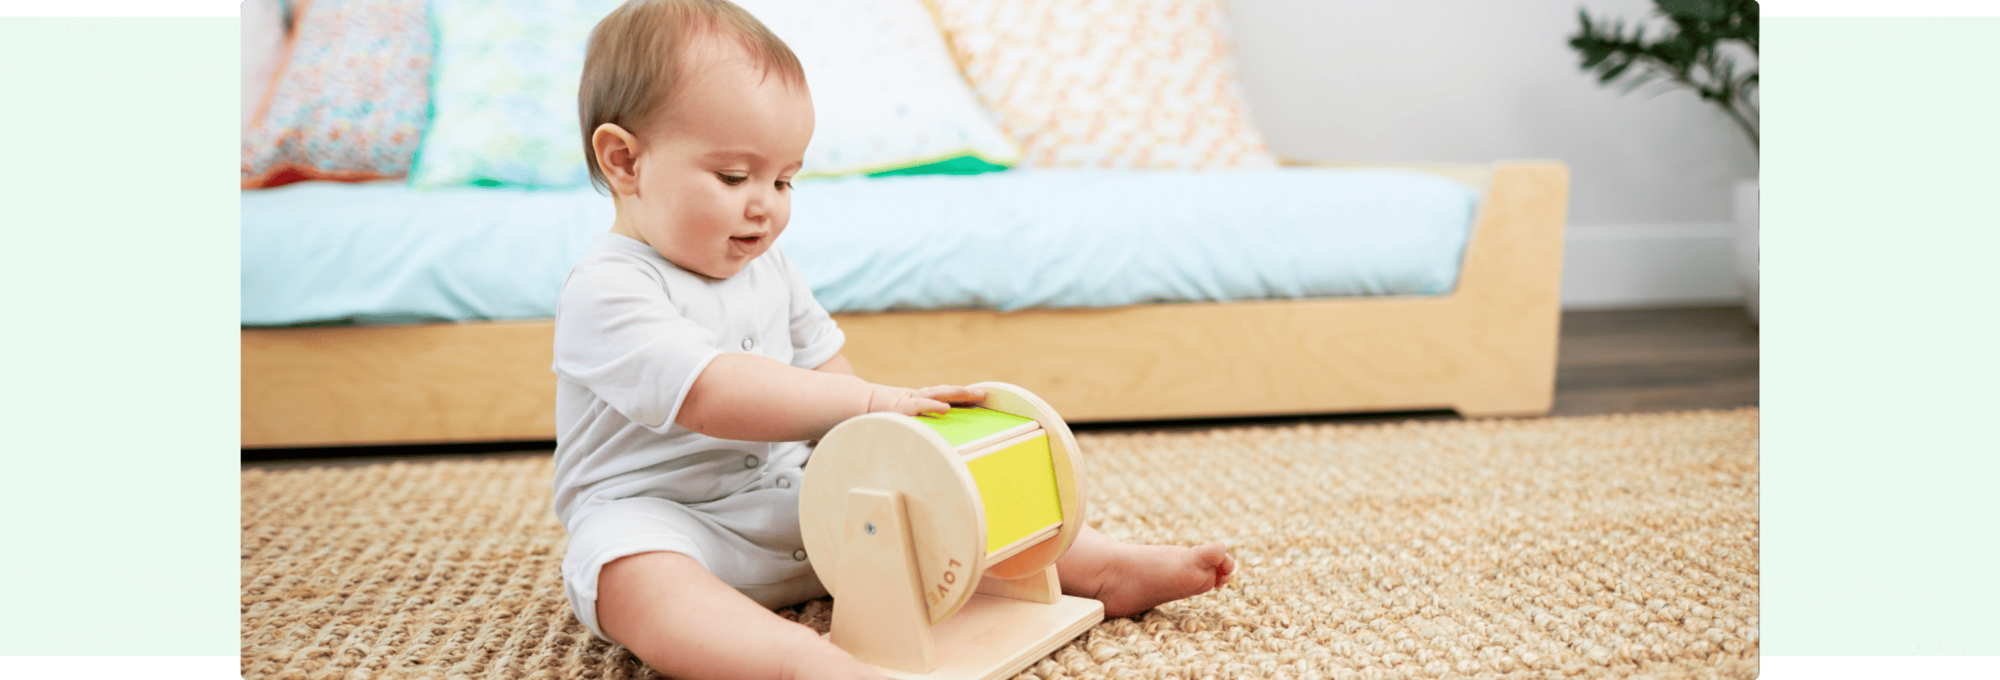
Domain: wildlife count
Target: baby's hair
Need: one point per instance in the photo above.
(636, 56)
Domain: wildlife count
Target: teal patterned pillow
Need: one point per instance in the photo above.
(503, 93)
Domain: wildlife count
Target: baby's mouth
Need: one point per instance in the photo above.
(746, 240)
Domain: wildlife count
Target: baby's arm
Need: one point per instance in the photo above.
(838, 364)
(753, 398)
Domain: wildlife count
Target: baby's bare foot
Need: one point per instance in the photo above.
(1141, 577)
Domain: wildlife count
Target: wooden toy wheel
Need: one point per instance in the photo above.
(891, 452)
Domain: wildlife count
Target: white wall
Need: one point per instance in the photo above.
(1652, 177)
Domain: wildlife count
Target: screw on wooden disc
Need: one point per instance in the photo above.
(892, 452)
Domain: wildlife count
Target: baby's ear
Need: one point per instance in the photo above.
(617, 157)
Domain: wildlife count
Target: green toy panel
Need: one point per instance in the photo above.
(968, 424)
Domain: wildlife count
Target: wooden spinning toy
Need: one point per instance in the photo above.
(938, 536)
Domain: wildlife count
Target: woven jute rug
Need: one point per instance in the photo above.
(1603, 546)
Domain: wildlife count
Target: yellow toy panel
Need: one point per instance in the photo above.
(1017, 486)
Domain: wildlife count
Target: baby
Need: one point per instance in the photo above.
(694, 366)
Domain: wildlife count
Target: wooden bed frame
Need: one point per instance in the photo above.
(1486, 349)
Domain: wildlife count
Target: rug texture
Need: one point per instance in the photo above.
(1603, 546)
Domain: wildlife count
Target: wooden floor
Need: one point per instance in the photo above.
(1612, 361)
(1630, 361)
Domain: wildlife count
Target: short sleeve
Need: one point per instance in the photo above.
(815, 337)
(619, 335)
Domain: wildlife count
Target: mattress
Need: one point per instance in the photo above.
(371, 253)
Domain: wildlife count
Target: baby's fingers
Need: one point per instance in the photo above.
(918, 405)
(952, 393)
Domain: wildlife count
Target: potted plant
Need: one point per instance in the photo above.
(1698, 50)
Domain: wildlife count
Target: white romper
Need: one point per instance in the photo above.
(632, 331)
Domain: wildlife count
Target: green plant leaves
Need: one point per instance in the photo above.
(1691, 54)
(1705, 10)
(1616, 70)
(1638, 80)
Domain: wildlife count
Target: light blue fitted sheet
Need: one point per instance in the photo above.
(384, 253)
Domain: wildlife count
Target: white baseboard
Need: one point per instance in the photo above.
(1652, 265)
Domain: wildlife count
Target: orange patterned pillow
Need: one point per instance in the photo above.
(1108, 83)
(351, 97)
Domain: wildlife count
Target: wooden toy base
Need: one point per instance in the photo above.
(879, 610)
(997, 637)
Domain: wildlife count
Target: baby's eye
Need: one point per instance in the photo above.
(731, 180)
(784, 184)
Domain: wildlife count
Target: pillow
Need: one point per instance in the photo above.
(1108, 83)
(887, 97)
(504, 93)
(350, 98)
(263, 28)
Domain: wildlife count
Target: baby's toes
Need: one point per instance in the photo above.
(1224, 568)
(1213, 562)
(1211, 556)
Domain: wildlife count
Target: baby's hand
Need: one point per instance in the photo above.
(935, 399)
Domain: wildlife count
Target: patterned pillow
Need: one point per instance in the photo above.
(263, 33)
(1108, 83)
(504, 93)
(887, 97)
(350, 99)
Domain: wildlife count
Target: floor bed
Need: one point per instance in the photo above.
(1488, 348)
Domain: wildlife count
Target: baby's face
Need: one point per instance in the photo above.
(715, 171)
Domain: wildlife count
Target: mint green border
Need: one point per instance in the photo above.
(1881, 473)
(120, 162)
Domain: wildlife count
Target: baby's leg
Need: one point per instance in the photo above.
(686, 623)
(1130, 579)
